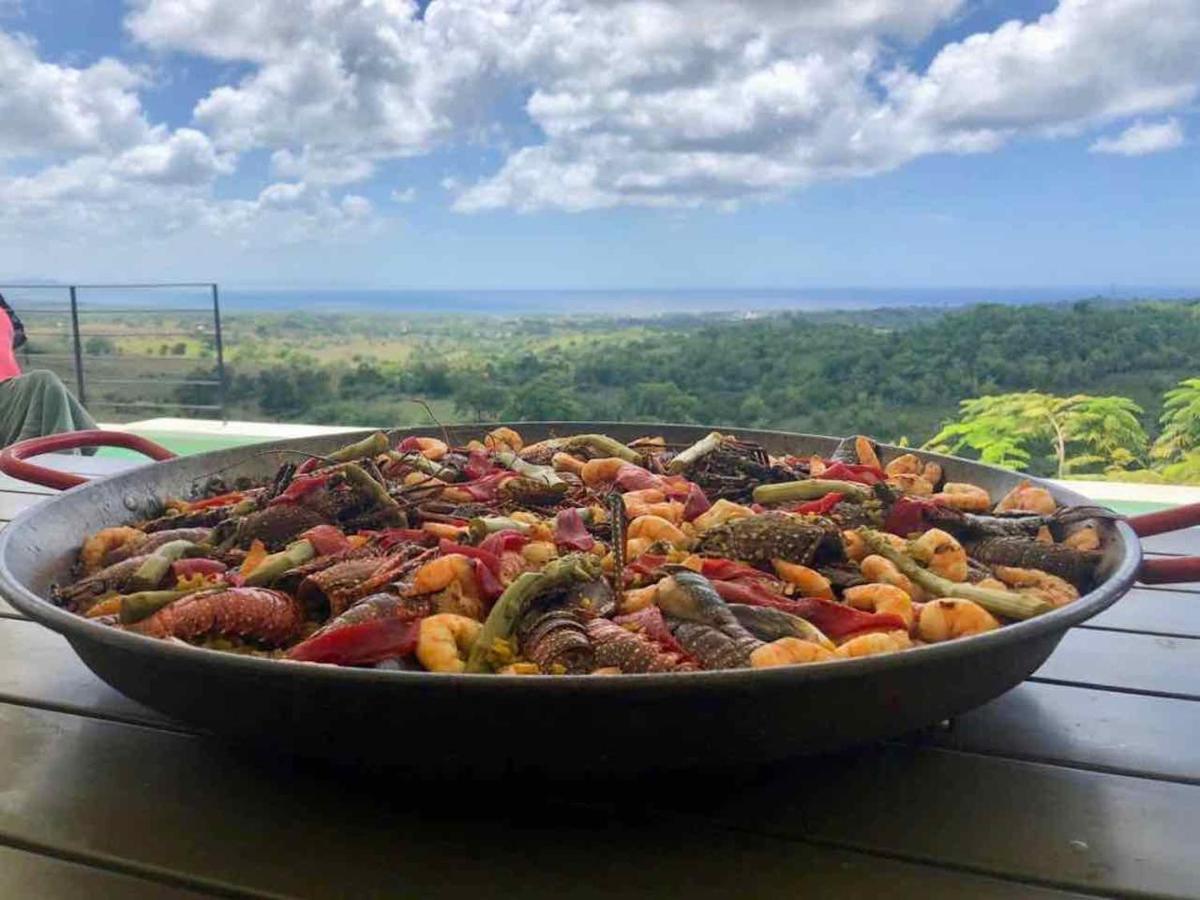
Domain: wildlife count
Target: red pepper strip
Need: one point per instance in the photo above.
(499, 542)
(908, 515)
(646, 564)
(187, 568)
(821, 507)
(326, 540)
(390, 537)
(696, 503)
(360, 644)
(308, 465)
(479, 465)
(728, 570)
(486, 579)
(489, 559)
(219, 500)
(485, 488)
(840, 471)
(836, 620)
(635, 478)
(570, 532)
(650, 622)
(300, 487)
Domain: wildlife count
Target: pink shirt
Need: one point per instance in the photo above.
(9, 367)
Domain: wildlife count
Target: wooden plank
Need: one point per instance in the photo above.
(1119, 660)
(96, 466)
(24, 874)
(1085, 830)
(1159, 611)
(12, 505)
(43, 670)
(12, 485)
(170, 802)
(1104, 730)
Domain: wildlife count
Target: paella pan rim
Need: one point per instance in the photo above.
(77, 628)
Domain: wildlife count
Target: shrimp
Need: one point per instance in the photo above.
(856, 548)
(810, 582)
(907, 464)
(951, 617)
(638, 599)
(430, 448)
(599, 472)
(440, 573)
(520, 668)
(565, 462)
(503, 439)
(656, 528)
(1086, 538)
(941, 553)
(907, 483)
(445, 640)
(721, 512)
(91, 556)
(538, 553)
(866, 452)
(1025, 497)
(964, 497)
(788, 651)
(816, 467)
(1054, 590)
(882, 598)
(932, 473)
(874, 643)
(879, 569)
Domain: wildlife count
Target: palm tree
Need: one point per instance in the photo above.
(1180, 421)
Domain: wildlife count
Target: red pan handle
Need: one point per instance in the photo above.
(1168, 571)
(13, 464)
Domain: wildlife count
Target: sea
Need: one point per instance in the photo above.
(624, 303)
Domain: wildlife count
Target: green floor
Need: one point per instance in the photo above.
(183, 444)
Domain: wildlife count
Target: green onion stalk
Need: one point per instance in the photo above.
(481, 526)
(143, 604)
(154, 568)
(809, 489)
(688, 457)
(543, 475)
(1009, 604)
(520, 595)
(295, 554)
(368, 447)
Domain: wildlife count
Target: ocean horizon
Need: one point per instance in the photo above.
(573, 302)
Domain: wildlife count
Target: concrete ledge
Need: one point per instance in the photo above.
(217, 428)
(1170, 494)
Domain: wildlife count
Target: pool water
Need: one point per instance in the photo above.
(184, 444)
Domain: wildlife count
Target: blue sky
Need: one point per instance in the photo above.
(568, 143)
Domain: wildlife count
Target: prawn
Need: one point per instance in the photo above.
(866, 452)
(874, 643)
(941, 553)
(882, 598)
(91, 556)
(599, 472)
(503, 438)
(538, 553)
(638, 599)
(788, 651)
(964, 497)
(879, 569)
(721, 512)
(445, 640)
(430, 448)
(656, 528)
(1026, 497)
(1086, 538)
(565, 462)
(1054, 590)
(440, 573)
(951, 617)
(907, 483)
(810, 582)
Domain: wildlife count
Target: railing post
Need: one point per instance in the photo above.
(79, 384)
(220, 350)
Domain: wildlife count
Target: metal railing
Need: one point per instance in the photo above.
(73, 330)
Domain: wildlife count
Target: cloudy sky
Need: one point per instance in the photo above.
(601, 143)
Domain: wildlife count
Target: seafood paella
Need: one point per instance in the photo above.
(583, 555)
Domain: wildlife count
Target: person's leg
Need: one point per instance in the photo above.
(37, 403)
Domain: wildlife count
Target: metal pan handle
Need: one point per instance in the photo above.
(13, 464)
(1168, 571)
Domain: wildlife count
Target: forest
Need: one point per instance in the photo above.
(900, 377)
(1095, 388)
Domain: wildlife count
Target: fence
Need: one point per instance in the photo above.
(100, 339)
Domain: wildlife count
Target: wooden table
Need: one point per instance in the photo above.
(1083, 781)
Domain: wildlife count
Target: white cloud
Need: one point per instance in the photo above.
(406, 195)
(1142, 138)
(658, 103)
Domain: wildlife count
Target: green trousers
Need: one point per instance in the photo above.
(38, 403)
